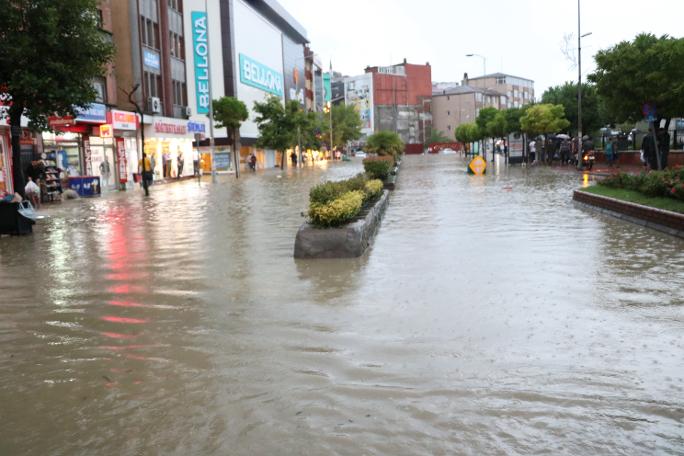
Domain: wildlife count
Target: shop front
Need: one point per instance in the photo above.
(70, 141)
(125, 133)
(169, 143)
(5, 163)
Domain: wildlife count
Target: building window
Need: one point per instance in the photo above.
(152, 84)
(176, 46)
(176, 5)
(179, 93)
(99, 18)
(449, 127)
(150, 33)
(100, 86)
(448, 113)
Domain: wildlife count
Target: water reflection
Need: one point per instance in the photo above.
(491, 316)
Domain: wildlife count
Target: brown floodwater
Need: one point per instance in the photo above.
(491, 316)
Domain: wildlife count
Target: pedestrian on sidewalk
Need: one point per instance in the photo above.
(148, 168)
(293, 157)
(533, 151)
(565, 152)
(610, 157)
(180, 162)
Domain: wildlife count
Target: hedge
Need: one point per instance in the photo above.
(336, 212)
(328, 191)
(335, 203)
(378, 167)
(669, 183)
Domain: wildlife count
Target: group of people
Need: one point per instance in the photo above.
(563, 149)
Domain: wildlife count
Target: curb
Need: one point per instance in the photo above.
(668, 222)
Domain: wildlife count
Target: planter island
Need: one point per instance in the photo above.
(344, 216)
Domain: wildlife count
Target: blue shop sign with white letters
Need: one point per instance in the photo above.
(95, 113)
(196, 127)
(151, 60)
(200, 52)
(253, 73)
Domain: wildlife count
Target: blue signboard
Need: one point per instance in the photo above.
(253, 73)
(94, 113)
(85, 185)
(151, 60)
(196, 127)
(200, 52)
(222, 160)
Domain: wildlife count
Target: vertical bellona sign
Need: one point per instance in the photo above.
(200, 48)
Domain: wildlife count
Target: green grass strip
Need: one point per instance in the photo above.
(659, 202)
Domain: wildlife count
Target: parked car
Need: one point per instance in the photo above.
(447, 151)
(360, 154)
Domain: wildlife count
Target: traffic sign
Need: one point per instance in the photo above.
(477, 166)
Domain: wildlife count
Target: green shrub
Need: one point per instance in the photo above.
(336, 212)
(655, 184)
(329, 191)
(373, 189)
(378, 167)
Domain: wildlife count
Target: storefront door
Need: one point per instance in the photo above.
(104, 162)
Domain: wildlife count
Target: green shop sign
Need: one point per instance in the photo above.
(253, 73)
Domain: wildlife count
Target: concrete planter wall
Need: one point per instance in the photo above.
(347, 241)
(657, 219)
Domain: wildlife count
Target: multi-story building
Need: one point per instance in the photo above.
(394, 98)
(518, 91)
(454, 104)
(78, 144)
(255, 50)
(151, 66)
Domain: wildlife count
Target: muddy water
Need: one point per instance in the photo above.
(491, 316)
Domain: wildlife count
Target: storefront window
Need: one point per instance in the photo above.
(65, 148)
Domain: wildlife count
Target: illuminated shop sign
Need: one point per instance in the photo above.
(253, 73)
(200, 49)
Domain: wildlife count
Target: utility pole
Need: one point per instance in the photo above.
(579, 86)
(141, 113)
(211, 104)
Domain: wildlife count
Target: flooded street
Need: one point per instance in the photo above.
(491, 316)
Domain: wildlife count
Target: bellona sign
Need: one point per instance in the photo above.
(200, 49)
(253, 73)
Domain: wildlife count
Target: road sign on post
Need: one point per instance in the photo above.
(477, 166)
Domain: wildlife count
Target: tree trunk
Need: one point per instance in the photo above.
(236, 151)
(17, 173)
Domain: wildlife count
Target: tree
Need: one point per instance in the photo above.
(593, 111)
(497, 127)
(229, 113)
(485, 116)
(468, 133)
(543, 119)
(647, 70)
(513, 116)
(346, 125)
(277, 124)
(437, 136)
(51, 52)
(644, 73)
(385, 143)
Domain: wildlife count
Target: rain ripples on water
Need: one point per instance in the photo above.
(491, 316)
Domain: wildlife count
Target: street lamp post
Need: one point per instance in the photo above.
(579, 86)
(484, 62)
(211, 109)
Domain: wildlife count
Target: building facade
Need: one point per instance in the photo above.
(398, 99)
(255, 50)
(454, 104)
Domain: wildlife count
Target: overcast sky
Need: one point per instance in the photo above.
(519, 37)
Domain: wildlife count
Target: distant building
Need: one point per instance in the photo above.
(454, 104)
(394, 98)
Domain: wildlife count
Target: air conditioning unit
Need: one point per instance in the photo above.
(155, 105)
(188, 111)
